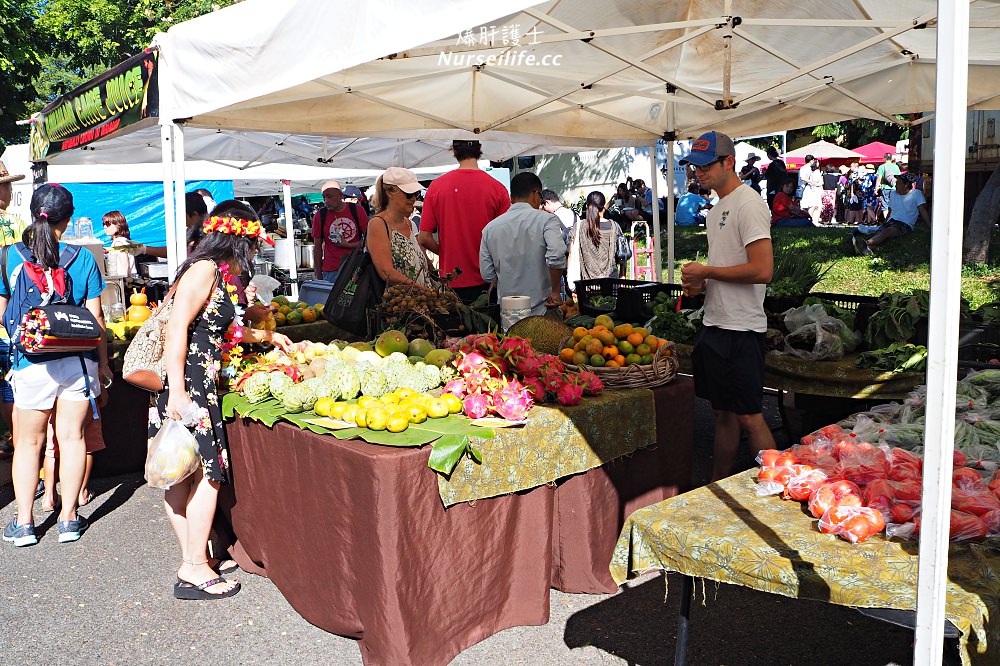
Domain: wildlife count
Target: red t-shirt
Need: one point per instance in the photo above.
(457, 206)
(346, 231)
(781, 209)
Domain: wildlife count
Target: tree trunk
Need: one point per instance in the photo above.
(976, 248)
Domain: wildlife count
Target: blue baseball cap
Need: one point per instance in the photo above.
(709, 147)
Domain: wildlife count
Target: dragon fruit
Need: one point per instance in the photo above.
(535, 386)
(476, 405)
(514, 408)
(457, 387)
(528, 366)
(517, 348)
(569, 394)
(552, 378)
(592, 384)
(473, 362)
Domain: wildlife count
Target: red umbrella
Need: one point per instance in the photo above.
(874, 152)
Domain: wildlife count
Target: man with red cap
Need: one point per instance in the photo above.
(728, 358)
(336, 229)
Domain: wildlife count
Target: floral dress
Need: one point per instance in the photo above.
(408, 258)
(206, 338)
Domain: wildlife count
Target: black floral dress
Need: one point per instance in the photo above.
(201, 375)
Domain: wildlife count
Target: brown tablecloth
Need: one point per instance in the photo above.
(356, 538)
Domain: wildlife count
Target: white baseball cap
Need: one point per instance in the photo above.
(404, 179)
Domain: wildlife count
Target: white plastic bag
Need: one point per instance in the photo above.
(172, 456)
(265, 285)
(816, 336)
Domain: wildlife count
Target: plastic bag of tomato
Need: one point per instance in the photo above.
(858, 489)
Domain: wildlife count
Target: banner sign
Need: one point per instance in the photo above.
(121, 96)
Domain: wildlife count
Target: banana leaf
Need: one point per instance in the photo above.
(230, 402)
(446, 453)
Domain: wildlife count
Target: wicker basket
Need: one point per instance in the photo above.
(661, 371)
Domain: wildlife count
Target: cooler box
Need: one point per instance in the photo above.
(315, 292)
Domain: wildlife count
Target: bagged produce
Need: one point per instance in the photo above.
(834, 493)
(172, 456)
(852, 523)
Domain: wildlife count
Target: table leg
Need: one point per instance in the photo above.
(683, 620)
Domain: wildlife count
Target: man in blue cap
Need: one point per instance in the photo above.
(728, 358)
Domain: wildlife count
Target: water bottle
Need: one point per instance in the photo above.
(84, 228)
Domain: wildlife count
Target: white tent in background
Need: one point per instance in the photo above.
(823, 150)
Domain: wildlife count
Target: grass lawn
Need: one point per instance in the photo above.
(901, 264)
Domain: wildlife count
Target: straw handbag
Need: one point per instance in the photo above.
(143, 364)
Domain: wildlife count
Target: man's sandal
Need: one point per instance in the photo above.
(190, 591)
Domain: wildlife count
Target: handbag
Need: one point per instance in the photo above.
(358, 288)
(144, 365)
(622, 250)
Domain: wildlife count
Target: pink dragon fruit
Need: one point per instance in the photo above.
(457, 387)
(528, 366)
(535, 386)
(552, 378)
(477, 382)
(476, 405)
(592, 384)
(570, 394)
(472, 362)
(517, 348)
(511, 400)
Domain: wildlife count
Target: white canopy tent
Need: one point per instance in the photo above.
(823, 150)
(586, 73)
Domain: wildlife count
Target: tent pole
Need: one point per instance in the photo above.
(166, 156)
(286, 194)
(655, 210)
(671, 212)
(180, 210)
(942, 361)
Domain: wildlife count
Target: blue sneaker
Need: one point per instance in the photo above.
(20, 535)
(72, 530)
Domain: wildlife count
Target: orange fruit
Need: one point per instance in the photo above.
(308, 315)
(635, 339)
(625, 347)
(646, 359)
(612, 364)
(594, 348)
(580, 358)
(622, 331)
(566, 355)
(632, 359)
(597, 360)
(620, 360)
(643, 349)
(579, 332)
(610, 352)
(597, 329)
(606, 337)
(641, 331)
(652, 341)
(580, 346)
(279, 319)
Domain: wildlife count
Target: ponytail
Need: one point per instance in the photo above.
(595, 204)
(51, 205)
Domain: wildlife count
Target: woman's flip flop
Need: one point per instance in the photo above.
(190, 591)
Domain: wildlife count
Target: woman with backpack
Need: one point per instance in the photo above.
(593, 244)
(71, 380)
(205, 321)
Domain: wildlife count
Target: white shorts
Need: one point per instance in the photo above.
(38, 385)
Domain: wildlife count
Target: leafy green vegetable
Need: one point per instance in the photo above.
(898, 357)
(795, 274)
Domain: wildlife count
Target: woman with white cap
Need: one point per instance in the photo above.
(397, 256)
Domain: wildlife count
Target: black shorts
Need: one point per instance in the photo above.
(729, 369)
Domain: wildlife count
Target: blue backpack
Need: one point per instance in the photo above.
(40, 320)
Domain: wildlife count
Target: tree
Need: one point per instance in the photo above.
(20, 63)
(976, 245)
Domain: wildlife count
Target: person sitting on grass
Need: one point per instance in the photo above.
(786, 212)
(905, 206)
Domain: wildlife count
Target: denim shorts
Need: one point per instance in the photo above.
(330, 276)
(6, 391)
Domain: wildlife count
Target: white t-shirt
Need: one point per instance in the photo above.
(740, 218)
(904, 207)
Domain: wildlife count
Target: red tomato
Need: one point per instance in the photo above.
(992, 521)
(959, 459)
(856, 529)
(908, 491)
(874, 518)
(800, 487)
(904, 471)
(766, 474)
(977, 502)
(831, 519)
(995, 481)
(904, 457)
(879, 488)
(829, 431)
(768, 457)
(966, 477)
(833, 494)
(901, 513)
(966, 527)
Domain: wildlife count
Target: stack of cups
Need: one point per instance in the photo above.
(513, 309)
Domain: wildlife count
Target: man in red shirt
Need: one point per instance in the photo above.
(336, 230)
(457, 206)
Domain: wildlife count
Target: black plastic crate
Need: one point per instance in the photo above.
(636, 304)
(846, 301)
(978, 356)
(625, 305)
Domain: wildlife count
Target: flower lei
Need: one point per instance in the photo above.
(237, 227)
(232, 350)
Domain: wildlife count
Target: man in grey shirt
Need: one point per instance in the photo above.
(523, 249)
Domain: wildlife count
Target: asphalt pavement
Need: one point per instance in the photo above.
(107, 599)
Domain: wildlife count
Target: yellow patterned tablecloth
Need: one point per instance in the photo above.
(724, 532)
(555, 443)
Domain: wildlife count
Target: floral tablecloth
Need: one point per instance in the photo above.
(724, 532)
(555, 443)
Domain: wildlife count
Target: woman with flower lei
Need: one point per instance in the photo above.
(205, 322)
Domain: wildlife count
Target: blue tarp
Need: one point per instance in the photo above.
(140, 203)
